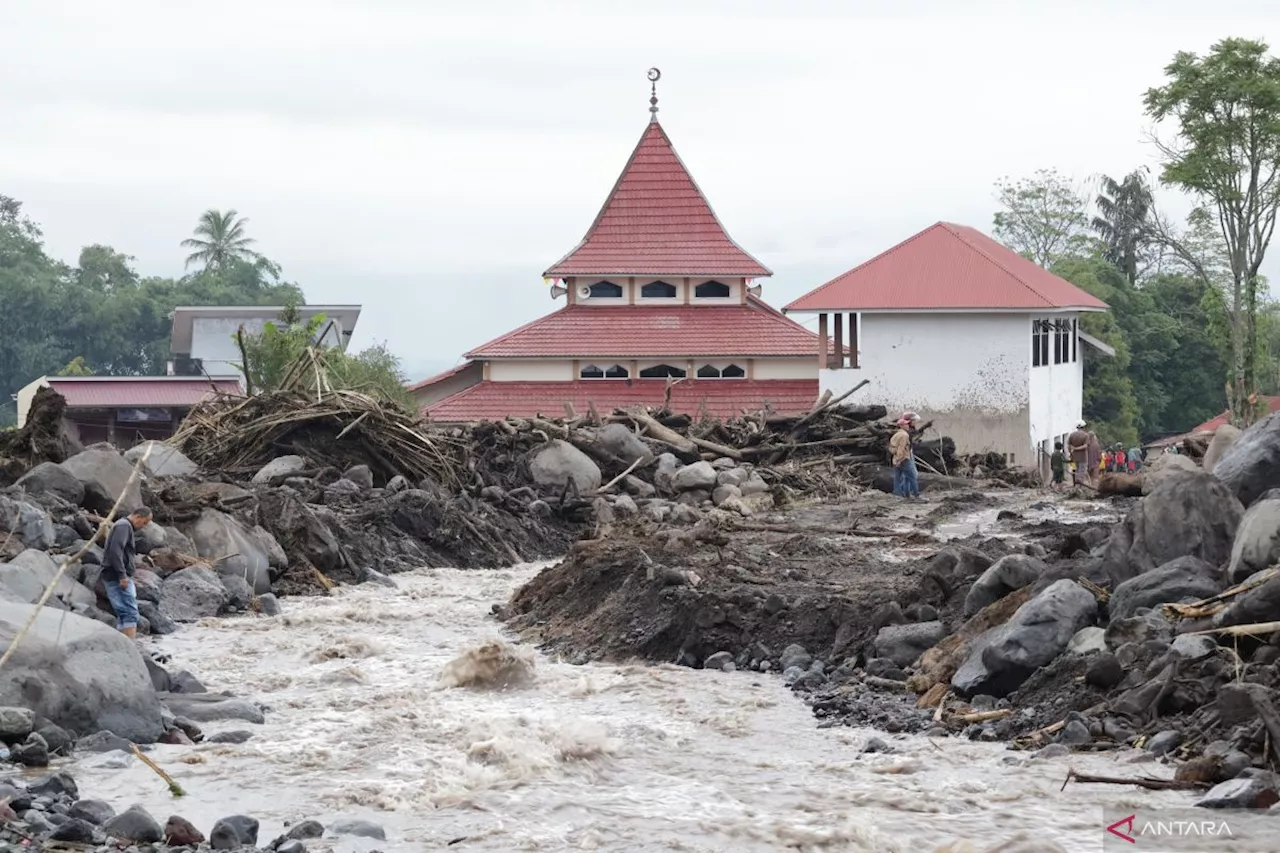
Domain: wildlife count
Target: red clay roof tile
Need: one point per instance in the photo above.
(717, 398)
(947, 267)
(656, 222)
(633, 330)
(151, 392)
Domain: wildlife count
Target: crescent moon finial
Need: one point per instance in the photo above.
(654, 76)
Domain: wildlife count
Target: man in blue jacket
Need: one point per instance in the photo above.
(118, 565)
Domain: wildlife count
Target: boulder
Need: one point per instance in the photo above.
(1260, 790)
(698, 476)
(558, 464)
(1224, 438)
(280, 468)
(1088, 641)
(664, 475)
(95, 812)
(80, 674)
(16, 724)
(1182, 578)
(158, 621)
(106, 478)
(193, 593)
(231, 833)
(1194, 515)
(27, 522)
(357, 828)
(754, 485)
(902, 644)
(1003, 577)
(180, 832)
(1039, 632)
(361, 475)
(239, 593)
(50, 478)
(1257, 543)
(26, 576)
(733, 477)
(620, 441)
(1258, 604)
(1251, 466)
(163, 460)
(216, 534)
(147, 585)
(210, 707)
(134, 824)
(725, 493)
(1166, 467)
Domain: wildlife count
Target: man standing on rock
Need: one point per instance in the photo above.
(906, 479)
(118, 565)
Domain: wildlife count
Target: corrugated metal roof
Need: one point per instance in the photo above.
(719, 398)
(947, 267)
(634, 330)
(101, 392)
(441, 376)
(1272, 405)
(656, 221)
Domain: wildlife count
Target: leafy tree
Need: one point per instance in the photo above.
(1043, 217)
(219, 240)
(1124, 207)
(1226, 153)
(76, 367)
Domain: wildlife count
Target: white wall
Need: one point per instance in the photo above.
(968, 372)
(683, 294)
(532, 370)
(1057, 397)
(786, 368)
(213, 341)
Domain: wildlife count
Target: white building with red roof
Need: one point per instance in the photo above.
(968, 333)
(660, 301)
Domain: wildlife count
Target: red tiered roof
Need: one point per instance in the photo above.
(142, 392)
(657, 222)
(677, 330)
(947, 267)
(719, 398)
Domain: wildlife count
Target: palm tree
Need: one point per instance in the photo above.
(219, 240)
(1125, 207)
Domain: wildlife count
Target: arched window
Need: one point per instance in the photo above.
(708, 371)
(606, 290)
(658, 290)
(592, 371)
(711, 290)
(733, 372)
(662, 371)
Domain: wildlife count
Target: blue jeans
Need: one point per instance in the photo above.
(906, 480)
(124, 602)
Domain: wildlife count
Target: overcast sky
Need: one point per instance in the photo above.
(429, 161)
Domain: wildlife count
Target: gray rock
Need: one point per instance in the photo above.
(148, 585)
(1006, 575)
(733, 477)
(193, 593)
(876, 745)
(665, 474)
(1224, 438)
(698, 476)
(1164, 742)
(397, 484)
(1168, 467)
(74, 831)
(178, 831)
(150, 538)
(795, 656)
(1088, 641)
(184, 682)
(280, 468)
(602, 511)
(1251, 466)
(269, 605)
(163, 460)
(1150, 625)
(754, 485)
(720, 660)
(239, 593)
(95, 812)
(1192, 516)
(1183, 577)
(49, 478)
(638, 487)
(902, 644)
(91, 676)
(622, 442)
(237, 736)
(33, 752)
(360, 475)
(210, 707)
(558, 463)
(16, 724)
(28, 522)
(1192, 647)
(216, 534)
(358, 828)
(1053, 750)
(59, 739)
(725, 493)
(100, 742)
(306, 830)
(1244, 792)
(234, 831)
(1104, 672)
(1075, 733)
(134, 824)
(106, 477)
(1035, 635)
(291, 845)
(1257, 542)
(1236, 702)
(27, 575)
(157, 619)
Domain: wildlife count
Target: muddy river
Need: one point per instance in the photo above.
(596, 757)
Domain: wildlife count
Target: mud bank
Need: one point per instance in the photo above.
(607, 757)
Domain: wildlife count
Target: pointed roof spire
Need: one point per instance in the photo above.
(654, 76)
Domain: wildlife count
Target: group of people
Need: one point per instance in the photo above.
(1088, 460)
